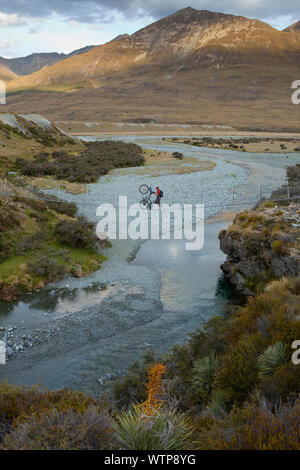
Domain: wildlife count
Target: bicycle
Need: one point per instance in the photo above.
(144, 189)
(146, 202)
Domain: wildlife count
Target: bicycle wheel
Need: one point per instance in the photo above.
(144, 204)
(143, 189)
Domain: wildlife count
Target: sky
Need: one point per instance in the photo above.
(28, 26)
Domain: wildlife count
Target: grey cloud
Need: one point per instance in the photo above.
(94, 11)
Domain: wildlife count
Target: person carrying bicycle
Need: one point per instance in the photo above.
(159, 195)
(147, 202)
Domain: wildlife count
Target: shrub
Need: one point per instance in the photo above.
(218, 405)
(271, 359)
(204, 371)
(254, 427)
(282, 384)
(62, 207)
(46, 266)
(238, 374)
(76, 233)
(62, 430)
(178, 155)
(19, 403)
(164, 430)
(278, 248)
(98, 159)
(154, 389)
(30, 243)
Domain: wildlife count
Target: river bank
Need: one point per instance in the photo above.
(92, 128)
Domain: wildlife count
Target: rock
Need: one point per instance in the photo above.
(77, 271)
(102, 236)
(251, 258)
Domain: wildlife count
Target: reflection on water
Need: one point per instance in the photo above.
(188, 278)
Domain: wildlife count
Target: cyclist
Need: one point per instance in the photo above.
(159, 195)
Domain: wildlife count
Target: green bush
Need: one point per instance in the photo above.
(278, 247)
(204, 371)
(271, 359)
(165, 430)
(76, 233)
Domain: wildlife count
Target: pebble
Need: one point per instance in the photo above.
(9, 351)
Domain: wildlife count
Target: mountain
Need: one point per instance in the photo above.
(294, 27)
(6, 74)
(34, 62)
(191, 65)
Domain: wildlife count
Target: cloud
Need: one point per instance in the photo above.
(96, 26)
(7, 44)
(75, 24)
(103, 11)
(13, 19)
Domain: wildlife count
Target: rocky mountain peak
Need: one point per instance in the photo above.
(294, 27)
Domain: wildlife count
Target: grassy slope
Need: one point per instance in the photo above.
(28, 239)
(22, 219)
(14, 143)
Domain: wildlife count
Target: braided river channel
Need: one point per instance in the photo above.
(85, 332)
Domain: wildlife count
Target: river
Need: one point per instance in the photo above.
(84, 333)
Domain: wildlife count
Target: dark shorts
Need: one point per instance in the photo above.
(157, 200)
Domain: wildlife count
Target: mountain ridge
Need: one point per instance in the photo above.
(294, 27)
(191, 60)
(34, 62)
(175, 38)
(6, 74)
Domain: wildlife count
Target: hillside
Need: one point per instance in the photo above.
(26, 135)
(294, 27)
(34, 62)
(208, 65)
(6, 74)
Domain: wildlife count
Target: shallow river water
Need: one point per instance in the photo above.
(86, 332)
